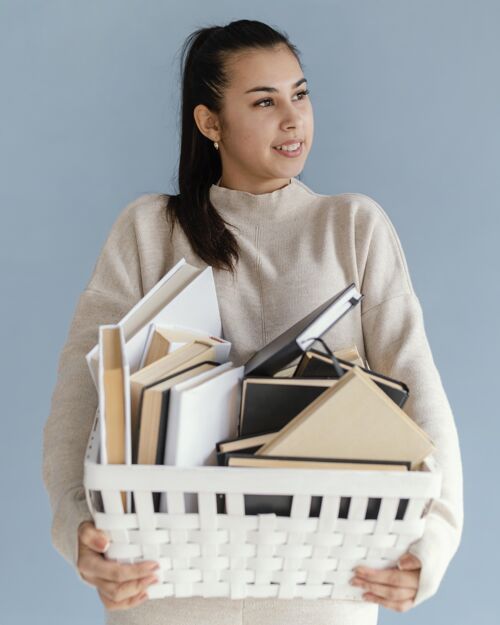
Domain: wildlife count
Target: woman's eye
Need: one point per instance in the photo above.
(303, 93)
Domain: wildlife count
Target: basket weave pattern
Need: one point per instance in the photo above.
(236, 555)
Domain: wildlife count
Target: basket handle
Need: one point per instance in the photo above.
(338, 369)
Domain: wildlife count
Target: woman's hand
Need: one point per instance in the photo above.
(394, 588)
(120, 586)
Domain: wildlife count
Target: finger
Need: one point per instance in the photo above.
(121, 592)
(409, 562)
(392, 593)
(94, 565)
(132, 602)
(93, 538)
(392, 576)
(398, 606)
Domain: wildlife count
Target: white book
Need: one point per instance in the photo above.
(185, 296)
(202, 412)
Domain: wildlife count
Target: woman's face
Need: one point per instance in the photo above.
(255, 120)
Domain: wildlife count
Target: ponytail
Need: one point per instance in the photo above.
(204, 79)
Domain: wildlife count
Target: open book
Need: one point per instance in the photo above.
(184, 297)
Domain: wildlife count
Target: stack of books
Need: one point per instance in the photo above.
(167, 391)
(169, 395)
(327, 411)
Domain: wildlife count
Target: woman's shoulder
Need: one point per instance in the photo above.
(147, 206)
(140, 223)
(357, 205)
(360, 206)
(355, 211)
(364, 207)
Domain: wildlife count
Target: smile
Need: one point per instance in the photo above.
(285, 151)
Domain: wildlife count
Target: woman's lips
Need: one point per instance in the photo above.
(297, 152)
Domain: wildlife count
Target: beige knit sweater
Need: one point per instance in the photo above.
(297, 248)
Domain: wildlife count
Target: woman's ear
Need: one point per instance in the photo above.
(207, 122)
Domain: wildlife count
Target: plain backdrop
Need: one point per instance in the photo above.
(406, 100)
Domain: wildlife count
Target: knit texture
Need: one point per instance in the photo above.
(297, 249)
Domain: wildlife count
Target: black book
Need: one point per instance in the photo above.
(281, 505)
(297, 339)
(248, 444)
(248, 459)
(268, 404)
(317, 365)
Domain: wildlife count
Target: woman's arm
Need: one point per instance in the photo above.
(114, 287)
(396, 345)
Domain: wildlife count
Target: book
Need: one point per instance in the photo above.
(154, 407)
(289, 345)
(270, 403)
(202, 411)
(114, 401)
(243, 442)
(238, 459)
(351, 354)
(352, 419)
(314, 364)
(189, 354)
(163, 340)
(287, 372)
(347, 353)
(185, 296)
(249, 444)
(281, 505)
(154, 422)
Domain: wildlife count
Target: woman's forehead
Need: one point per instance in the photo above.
(265, 68)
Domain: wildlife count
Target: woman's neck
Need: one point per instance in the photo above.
(269, 186)
(243, 208)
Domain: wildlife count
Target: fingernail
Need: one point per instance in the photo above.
(153, 567)
(103, 545)
(152, 579)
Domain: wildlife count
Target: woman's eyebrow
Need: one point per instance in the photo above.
(273, 89)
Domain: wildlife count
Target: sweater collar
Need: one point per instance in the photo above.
(244, 208)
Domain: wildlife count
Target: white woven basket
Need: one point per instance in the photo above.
(211, 554)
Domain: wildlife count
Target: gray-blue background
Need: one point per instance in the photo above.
(406, 100)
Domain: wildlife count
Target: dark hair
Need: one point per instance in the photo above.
(204, 78)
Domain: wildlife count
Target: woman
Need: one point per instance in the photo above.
(277, 250)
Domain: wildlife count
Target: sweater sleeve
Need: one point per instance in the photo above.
(114, 287)
(396, 345)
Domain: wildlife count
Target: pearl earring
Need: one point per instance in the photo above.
(216, 145)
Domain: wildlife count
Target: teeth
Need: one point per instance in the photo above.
(289, 148)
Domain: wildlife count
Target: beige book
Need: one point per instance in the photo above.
(159, 347)
(152, 431)
(287, 372)
(163, 337)
(185, 356)
(113, 381)
(353, 419)
(351, 354)
(261, 461)
(114, 395)
(244, 443)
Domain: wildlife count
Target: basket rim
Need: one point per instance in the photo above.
(424, 483)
